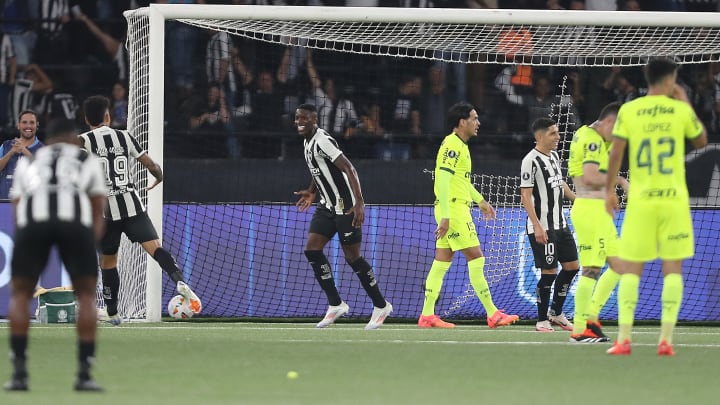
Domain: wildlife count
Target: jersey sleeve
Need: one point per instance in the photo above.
(96, 185)
(593, 150)
(134, 148)
(527, 173)
(693, 127)
(328, 147)
(448, 157)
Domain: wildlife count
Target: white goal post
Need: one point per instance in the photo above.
(587, 38)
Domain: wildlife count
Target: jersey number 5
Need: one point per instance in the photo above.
(664, 148)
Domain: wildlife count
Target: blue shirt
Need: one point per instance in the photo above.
(6, 175)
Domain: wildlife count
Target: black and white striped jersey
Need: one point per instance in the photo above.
(320, 153)
(51, 13)
(543, 174)
(114, 148)
(56, 185)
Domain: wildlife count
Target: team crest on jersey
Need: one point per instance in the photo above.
(592, 147)
(452, 154)
(526, 176)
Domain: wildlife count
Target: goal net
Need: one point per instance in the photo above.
(213, 92)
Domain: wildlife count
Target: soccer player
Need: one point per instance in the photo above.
(125, 212)
(58, 197)
(657, 218)
(11, 150)
(341, 210)
(542, 190)
(595, 230)
(455, 231)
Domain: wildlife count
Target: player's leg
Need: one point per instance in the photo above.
(322, 229)
(545, 256)
(434, 282)
(77, 251)
(30, 254)
(678, 243)
(568, 257)
(628, 291)
(610, 277)
(109, 245)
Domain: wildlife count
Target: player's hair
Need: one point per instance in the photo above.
(542, 123)
(23, 112)
(307, 107)
(658, 68)
(458, 111)
(610, 109)
(95, 108)
(60, 127)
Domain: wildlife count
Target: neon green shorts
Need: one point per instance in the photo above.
(462, 233)
(595, 231)
(658, 229)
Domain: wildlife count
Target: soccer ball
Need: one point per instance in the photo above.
(179, 308)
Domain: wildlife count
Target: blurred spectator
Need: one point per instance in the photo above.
(218, 65)
(704, 99)
(113, 47)
(31, 93)
(242, 107)
(211, 115)
(336, 114)
(435, 102)
(119, 107)
(629, 5)
(181, 44)
(11, 150)
(53, 43)
(370, 122)
(405, 108)
(18, 25)
(622, 88)
(601, 5)
(8, 71)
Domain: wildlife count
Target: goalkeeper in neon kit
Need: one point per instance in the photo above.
(657, 222)
(456, 230)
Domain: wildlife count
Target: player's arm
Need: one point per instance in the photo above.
(97, 192)
(695, 125)
(153, 168)
(442, 184)
(614, 161)
(592, 176)
(529, 205)
(307, 196)
(568, 192)
(5, 157)
(487, 209)
(358, 209)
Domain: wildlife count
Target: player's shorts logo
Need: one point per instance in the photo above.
(549, 259)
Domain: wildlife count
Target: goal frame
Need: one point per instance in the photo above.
(158, 14)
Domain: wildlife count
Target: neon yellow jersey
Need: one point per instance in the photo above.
(587, 146)
(655, 128)
(454, 158)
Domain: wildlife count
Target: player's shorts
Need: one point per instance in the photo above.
(75, 242)
(595, 230)
(138, 229)
(561, 248)
(658, 229)
(462, 233)
(328, 223)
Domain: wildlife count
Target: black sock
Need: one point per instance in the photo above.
(562, 285)
(367, 278)
(323, 275)
(543, 295)
(111, 289)
(18, 348)
(86, 356)
(168, 264)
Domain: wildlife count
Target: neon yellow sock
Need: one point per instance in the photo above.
(583, 294)
(628, 290)
(433, 285)
(672, 294)
(477, 279)
(604, 287)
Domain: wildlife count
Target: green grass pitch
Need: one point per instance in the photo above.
(247, 363)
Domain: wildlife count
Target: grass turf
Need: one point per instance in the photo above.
(247, 363)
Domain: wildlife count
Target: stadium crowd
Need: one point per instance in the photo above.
(231, 97)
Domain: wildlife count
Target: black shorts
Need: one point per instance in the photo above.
(561, 248)
(75, 242)
(138, 229)
(328, 223)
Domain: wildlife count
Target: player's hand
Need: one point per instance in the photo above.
(487, 210)
(541, 236)
(611, 203)
(359, 211)
(152, 186)
(442, 228)
(17, 146)
(679, 93)
(624, 184)
(306, 199)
